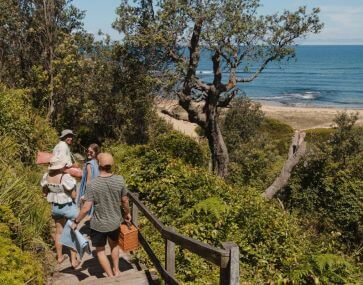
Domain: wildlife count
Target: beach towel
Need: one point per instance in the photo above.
(74, 239)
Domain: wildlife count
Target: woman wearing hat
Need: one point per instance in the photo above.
(60, 190)
(62, 148)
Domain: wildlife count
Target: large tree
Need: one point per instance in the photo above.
(240, 41)
(31, 32)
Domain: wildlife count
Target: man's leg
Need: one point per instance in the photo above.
(102, 258)
(115, 254)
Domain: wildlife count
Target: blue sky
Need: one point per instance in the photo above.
(343, 19)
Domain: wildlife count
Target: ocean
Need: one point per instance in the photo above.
(322, 76)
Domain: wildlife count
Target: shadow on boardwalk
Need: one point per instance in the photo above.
(90, 271)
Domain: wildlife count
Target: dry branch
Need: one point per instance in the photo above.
(296, 151)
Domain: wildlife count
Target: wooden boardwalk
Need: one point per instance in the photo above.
(91, 273)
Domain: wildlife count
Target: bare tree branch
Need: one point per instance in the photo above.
(175, 115)
(225, 102)
(296, 152)
(258, 71)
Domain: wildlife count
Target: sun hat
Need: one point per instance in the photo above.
(56, 163)
(65, 133)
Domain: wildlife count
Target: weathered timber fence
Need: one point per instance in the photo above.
(227, 258)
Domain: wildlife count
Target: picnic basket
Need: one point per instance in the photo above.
(128, 240)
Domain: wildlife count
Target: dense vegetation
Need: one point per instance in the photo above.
(327, 187)
(24, 214)
(274, 245)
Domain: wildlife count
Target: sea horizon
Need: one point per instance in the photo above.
(319, 76)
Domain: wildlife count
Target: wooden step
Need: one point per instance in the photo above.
(130, 277)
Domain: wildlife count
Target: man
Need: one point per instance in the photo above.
(62, 148)
(106, 192)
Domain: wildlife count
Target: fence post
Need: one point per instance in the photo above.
(230, 274)
(135, 212)
(170, 255)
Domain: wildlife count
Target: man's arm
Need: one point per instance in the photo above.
(126, 207)
(85, 209)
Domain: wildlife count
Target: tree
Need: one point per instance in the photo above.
(238, 39)
(31, 31)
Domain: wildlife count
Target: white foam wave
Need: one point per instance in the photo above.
(308, 95)
(204, 71)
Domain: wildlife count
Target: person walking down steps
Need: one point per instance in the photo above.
(62, 149)
(106, 192)
(90, 172)
(60, 190)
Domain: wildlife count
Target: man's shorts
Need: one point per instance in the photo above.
(100, 239)
(68, 211)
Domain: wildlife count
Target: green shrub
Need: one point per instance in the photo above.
(25, 229)
(16, 266)
(327, 186)
(315, 136)
(180, 146)
(201, 205)
(259, 160)
(241, 122)
(20, 122)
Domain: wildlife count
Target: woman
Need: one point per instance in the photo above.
(59, 188)
(90, 171)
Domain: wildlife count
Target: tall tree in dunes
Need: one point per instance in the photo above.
(240, 42)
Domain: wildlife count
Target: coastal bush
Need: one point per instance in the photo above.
(24, 213)
(241, 122)
(180, 146)
(20, 122)
(16, 266)
(257, 160)
(200, 205)
(327, 186)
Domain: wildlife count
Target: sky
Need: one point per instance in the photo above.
(343, 19)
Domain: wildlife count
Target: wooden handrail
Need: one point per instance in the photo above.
(226, 258)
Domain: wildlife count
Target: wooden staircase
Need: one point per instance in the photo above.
(91, 273)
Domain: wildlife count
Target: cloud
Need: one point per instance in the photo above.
(342, 23)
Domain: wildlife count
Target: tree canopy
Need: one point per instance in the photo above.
(240, 41)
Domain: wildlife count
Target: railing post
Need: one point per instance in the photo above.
(230, 274)
(135, 213)
(170, 255)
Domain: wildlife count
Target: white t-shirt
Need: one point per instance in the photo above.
(62, 150)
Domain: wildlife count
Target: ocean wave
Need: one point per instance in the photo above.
(307, 95)
(204, 71)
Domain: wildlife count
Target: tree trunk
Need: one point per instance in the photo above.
(297, 150)
(217, 146)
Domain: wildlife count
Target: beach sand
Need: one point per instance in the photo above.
(300, 118)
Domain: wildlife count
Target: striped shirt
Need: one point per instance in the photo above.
(106, 193)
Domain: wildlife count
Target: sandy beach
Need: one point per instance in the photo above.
(300, 118)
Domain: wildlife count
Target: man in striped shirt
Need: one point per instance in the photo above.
(106, 192)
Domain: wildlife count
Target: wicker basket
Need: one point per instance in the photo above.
(129, 239)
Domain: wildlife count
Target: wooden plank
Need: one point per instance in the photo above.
(230, 275)
(135, 214)
(170, 256)
(215, 255)
(157, 224)
(163, 273)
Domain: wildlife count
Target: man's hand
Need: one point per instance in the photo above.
(127, 218)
